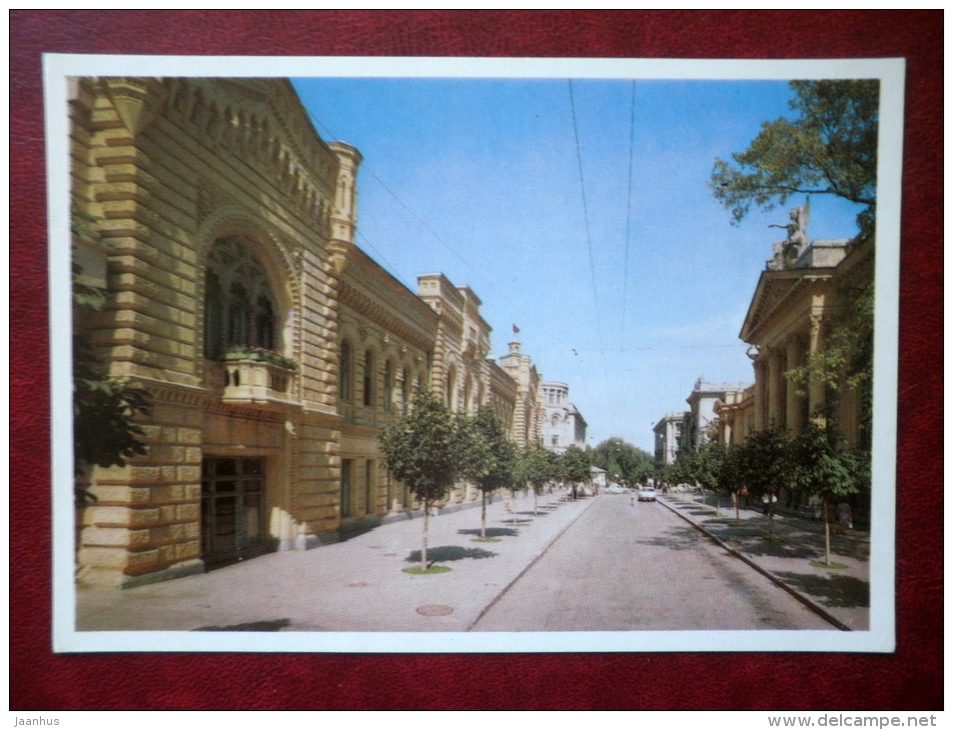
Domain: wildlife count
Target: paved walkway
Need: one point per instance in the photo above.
(357, 585)
(786, 551)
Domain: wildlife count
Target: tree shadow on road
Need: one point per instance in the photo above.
(447, 553)
(275, 625)
(492, 532)
(534, 514)
(674, 538)
(836, 591)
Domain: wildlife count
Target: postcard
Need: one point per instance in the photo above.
(473, 355)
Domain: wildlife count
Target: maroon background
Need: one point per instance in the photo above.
(909, 679)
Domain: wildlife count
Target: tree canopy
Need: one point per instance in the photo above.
(623, 461)
(828, 147)
(421, 449)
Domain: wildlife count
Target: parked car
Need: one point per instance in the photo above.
(647, 494)
(616, 489)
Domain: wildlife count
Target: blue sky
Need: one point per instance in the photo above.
(627, 288)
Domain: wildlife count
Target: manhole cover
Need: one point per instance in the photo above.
(434, 610)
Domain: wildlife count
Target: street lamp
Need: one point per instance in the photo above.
(753, 352)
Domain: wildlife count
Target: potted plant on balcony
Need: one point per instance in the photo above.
(258, 354)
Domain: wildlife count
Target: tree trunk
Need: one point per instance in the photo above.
(423, 552)
(483, 517)
(535, 502)
(827, 533)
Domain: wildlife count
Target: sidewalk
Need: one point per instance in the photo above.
(357, 585)
(841, 595)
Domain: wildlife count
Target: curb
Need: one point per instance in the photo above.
(809, 602)
(530, 564)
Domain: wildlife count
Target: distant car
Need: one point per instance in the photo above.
(682, 488)
(647, 494)
(616, 489)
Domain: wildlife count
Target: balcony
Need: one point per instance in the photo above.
(258, 378)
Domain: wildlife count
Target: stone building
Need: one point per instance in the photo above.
(669, 434)
(563, 424)
(734, 416)
(274, 349)
(790, 316)
(527, 420)
(700, 425)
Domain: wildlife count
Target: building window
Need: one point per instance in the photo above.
(344, 377)
(405, 392)
(388, 386)
(346, 487)
(369, 487)
(239, 305)
(555, 440)
(368, 378)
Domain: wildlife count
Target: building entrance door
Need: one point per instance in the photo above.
(233, 510)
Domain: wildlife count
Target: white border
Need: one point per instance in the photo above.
(880, 637)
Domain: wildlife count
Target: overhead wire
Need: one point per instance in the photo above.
(432, 232)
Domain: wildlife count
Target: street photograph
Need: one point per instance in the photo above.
(473, 355)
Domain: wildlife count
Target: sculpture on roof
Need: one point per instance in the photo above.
(786, 252)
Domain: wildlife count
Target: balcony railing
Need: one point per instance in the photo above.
(253, 381)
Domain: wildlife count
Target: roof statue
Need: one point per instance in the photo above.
(786, 252)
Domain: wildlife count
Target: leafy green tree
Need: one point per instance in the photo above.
(105, 407)
(828, 147)
(486, 456)
(623, 461)
(765, 463)
(821, 469)
(422, 452)
(536, 468)
(574, 467)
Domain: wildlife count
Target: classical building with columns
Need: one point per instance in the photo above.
(222, 227)
(790, 317)
(701, 426)
(669, 435)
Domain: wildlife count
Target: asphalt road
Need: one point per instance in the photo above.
(624, 567)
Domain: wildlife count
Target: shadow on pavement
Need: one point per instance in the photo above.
(450, 552)
(490, 532)
(836, 591)
(675, 538)
(534, 514)
(275, 625)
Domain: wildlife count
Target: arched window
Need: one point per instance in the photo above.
(240, 308)
(346, 366)
(388, 385)
(405, 392)
(368, 378)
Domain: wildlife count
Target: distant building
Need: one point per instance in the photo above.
(526, 422)
(669, 432)
(563, 424)
(700, 426)
(735, 416)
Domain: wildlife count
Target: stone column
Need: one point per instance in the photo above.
(760, 394)
(775, 403)
(817, 395)
(793, 405)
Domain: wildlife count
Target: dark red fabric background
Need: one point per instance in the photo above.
(910, 679)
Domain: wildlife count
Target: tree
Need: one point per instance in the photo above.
(765, 463)
(536, 468)
(706, 465)
(486, 456)
(105, 407)
(421, 450)
(623, 461)
(820, 468)
(574, 467)
(829, 147)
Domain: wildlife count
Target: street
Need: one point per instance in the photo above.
(624, 567)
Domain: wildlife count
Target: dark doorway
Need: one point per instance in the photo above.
(233, 510)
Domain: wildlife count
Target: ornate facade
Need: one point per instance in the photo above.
(273, 348)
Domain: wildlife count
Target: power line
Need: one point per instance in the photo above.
(585, 213)
(432, 232)
(628, 208)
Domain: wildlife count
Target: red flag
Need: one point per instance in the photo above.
(515, 329)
